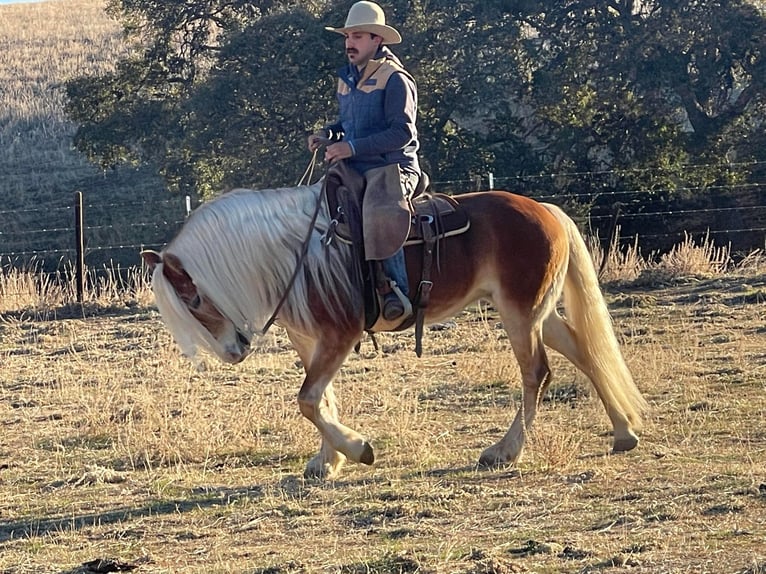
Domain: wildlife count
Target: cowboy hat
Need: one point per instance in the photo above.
(368, 17)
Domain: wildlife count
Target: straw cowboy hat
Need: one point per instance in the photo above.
(368, 17)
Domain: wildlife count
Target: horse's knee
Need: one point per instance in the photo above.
(308, 409)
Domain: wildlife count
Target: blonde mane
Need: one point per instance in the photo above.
(242, 248)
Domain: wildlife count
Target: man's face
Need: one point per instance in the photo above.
(361, 47)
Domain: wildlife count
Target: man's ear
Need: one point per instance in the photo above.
(151, 258)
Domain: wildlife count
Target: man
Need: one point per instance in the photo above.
(376, 129)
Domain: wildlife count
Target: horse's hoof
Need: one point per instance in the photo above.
(489, 462)
(625, 444)
(368, 456)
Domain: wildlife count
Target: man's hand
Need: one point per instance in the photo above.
(336, 151)
(317, 140)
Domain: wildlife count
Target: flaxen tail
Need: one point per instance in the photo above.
(588, 316)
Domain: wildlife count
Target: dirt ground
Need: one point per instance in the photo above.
(117, 455)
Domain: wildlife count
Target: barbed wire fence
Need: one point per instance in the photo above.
(114, 232)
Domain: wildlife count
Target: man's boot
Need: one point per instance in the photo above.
(392, 307)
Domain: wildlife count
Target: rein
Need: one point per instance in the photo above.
(306, 178)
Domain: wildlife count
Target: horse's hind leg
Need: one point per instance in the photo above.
(559, 335)
(535, 373)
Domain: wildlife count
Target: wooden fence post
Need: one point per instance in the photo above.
(612, 236)
(79, 246)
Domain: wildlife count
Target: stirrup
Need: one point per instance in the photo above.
(401, 298)
(392, 308)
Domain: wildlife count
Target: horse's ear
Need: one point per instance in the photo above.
(151, 258)
(175, 273)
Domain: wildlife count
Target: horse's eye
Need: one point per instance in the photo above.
(195, 303)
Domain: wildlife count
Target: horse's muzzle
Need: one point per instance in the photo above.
(237, 351)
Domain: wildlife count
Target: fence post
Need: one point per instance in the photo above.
(188, 205)
(612, 236)
(491, 180)
(79, 246)
(478, 183)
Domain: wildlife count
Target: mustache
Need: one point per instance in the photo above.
(352, 51)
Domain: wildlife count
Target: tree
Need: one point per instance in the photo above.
(222, 93)
(636, 83)
(169, 100)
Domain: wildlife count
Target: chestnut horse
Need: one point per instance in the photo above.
(231, 265)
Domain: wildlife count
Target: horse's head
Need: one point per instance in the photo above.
(228, 341)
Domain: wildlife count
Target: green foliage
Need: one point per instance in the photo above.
(248, 121)
(659, 85)
(221, 94)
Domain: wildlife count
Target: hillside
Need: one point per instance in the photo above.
(41, 46)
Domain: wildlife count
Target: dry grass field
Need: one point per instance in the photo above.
(117, 455)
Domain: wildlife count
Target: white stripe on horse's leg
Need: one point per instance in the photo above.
(339, 436)
(328, 462)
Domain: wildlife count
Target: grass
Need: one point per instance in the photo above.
(41, 46)
(116, 449)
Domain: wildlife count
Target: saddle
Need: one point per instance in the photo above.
(443, 214)
(344, 195)
(433, 217)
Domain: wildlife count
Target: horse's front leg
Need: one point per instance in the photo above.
(316, 400)
(317, 403)
(328, 462)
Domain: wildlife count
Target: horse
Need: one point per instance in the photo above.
(249, 254)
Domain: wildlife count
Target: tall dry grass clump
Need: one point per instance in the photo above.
(615, 263)
(693, 258)
(690, 258)
(27, 288)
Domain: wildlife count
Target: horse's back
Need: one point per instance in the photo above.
(521, 214)
(503, 222)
